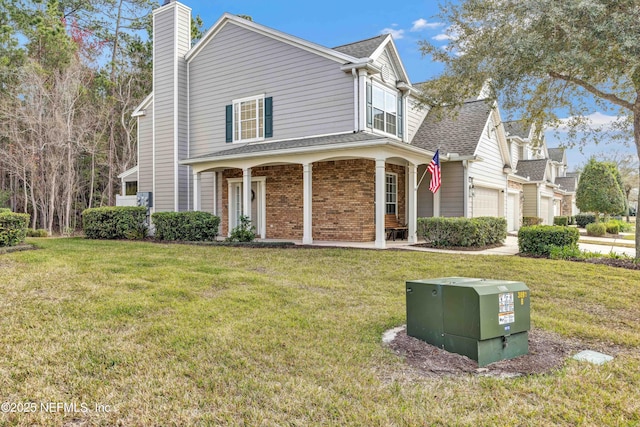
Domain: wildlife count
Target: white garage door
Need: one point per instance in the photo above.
(486, 202)
(545, 206)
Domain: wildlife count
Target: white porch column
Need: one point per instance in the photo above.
(197, 187)
(307, 223)
(436, 203)
(412, 205)
(381, 198)
(246, 192)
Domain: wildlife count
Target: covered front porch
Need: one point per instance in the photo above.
(313, 193)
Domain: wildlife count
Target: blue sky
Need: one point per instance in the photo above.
(333, 23)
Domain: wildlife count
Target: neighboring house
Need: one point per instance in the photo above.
(473, 140)
(547, 189)
(311, 143)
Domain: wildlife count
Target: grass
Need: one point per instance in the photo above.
(191, 335)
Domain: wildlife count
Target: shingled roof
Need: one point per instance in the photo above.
(532, 169)
(458, 133)
(556, 154)
(517, 128)
(258, 148)
(567, 183)
(362, 48)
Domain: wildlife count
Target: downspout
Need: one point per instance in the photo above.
(356, 101)
(465, 187)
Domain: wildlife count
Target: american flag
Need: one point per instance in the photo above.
(434, 168)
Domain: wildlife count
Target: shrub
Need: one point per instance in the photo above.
(244, 232)
(582, 219)
(41, 232)
(5, 210)
(13, 228)
(612, 227)
(561, 220)
(623, 226)
(531, 220)
(596, 229)
(565, 252)
(540, 239)
(462, 232)
(193, 226)
(115, 222)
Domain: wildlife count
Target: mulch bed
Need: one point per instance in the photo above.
(547, 353)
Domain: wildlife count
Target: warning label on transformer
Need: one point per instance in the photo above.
(505, 308)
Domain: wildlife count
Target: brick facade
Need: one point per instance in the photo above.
(343, 203)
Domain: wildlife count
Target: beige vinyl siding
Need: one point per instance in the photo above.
(452, 189)
(311, 95)
(530, 200)
(415, 116)
(489, 171)
(145, 150)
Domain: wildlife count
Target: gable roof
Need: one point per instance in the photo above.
(362, 48)
(517, 128)
(535, 170)
(227, 18)
(458, 133)
(567, 183)
(556, 154)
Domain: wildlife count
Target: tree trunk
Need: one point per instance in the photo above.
(636, 138)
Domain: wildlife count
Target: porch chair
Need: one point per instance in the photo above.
(394, 229)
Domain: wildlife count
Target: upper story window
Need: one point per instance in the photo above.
(384, 110)
(249, 119)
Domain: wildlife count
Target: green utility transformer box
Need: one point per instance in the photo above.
(485, 320)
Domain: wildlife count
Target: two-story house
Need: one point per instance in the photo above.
(309, 142)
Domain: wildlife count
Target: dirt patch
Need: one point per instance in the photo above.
(17, 248)
(547, 353)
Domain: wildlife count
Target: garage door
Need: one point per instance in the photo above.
(545, 205)
(486, 202)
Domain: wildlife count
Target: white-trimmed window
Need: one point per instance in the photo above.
(248, 119)
(391, 185)
(384, 110)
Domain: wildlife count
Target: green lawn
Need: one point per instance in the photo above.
(191, 335)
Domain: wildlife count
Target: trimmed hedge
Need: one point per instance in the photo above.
(5, 210)
(612, 227)
(40, 232)
(541, 239)
(462, 232)
(561, 220)
(185, 226)
(115, 222)
(13, 227)
(531, 220)
(582, 219)
(596, 229)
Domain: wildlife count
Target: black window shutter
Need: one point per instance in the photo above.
(369, 106)
(268, 117)
(400, 116)
(229, 123)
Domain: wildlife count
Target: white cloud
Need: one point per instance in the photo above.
(595, 120)
(442, 37)
(422, 24)
(396, 34)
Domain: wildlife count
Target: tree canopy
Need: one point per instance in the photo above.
(599, 189)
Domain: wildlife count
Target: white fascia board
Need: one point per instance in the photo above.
(399, 146)
(128, 172)
(381, 48)
(517, 178)
(269, 32)
(140, 109)
(169, 5)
